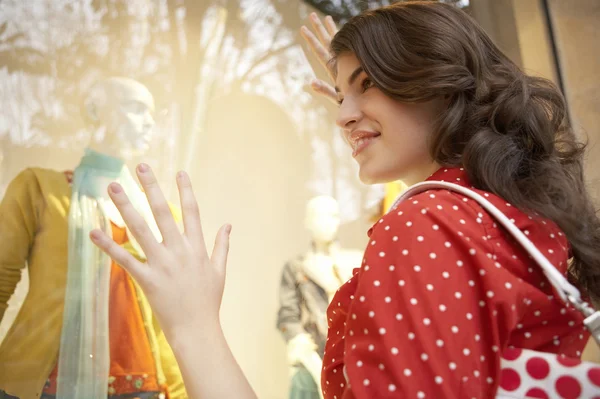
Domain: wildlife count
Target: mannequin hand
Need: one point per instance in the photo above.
(300, 347)
(183, 283)
(320, 47)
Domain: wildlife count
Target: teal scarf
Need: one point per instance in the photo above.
(84, 357)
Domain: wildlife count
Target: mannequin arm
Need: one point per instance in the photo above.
(289, 316)
(18, 223)
(301, 347)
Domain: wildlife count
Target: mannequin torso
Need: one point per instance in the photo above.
(330, 270)
(33, 221)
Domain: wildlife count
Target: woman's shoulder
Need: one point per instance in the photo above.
(451, 207)
(439, 206)
(441, 215)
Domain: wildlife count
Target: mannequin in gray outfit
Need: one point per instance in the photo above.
(308, 283)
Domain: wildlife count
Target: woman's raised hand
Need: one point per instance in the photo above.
(319, 44)
(184, 285)
(182, 281)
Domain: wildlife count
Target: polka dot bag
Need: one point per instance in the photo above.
(527, 373)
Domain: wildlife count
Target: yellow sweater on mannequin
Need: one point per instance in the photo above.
(33, 233)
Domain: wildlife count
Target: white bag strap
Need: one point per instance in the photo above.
(567, 292)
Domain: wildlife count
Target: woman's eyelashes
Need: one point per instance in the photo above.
(365, 84)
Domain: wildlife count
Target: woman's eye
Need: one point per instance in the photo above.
(367, 83)
(340, 101)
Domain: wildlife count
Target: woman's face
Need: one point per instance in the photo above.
(388, 138)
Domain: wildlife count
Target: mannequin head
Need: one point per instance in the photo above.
(323, 219)
(121, 111)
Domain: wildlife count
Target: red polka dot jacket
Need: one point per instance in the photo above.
(442, 292)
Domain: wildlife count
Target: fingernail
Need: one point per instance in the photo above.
(143, 168)
(304, 29)
(181, 175)
(228, 229)
(115, 188)
(314, 15)
(95, 235)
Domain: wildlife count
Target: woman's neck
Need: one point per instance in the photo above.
(420, 174)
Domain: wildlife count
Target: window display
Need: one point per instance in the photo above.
(224, 90)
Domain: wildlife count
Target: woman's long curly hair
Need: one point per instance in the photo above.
(510, 131)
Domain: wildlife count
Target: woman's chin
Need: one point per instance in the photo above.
(369, 176)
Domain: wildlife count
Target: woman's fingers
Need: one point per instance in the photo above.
(136, 223)
(330, 26)
(119, 254)
(190, 210)
(221, 248)
(325, 89)
(316, 46)
(320, 47)
(323, 34)
(159, 205)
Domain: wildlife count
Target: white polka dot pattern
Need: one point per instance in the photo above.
(431, 326)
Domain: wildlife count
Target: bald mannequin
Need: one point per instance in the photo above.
(44, 234)
(327, 264)
(120, 111)
(322, 218)
(119, 115)
(308, 284)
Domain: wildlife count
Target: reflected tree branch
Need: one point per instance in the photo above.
(265, 57)
(342, 10)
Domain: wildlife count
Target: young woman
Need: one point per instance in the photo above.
(443, 290)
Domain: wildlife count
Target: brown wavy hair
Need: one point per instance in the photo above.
(508, 130)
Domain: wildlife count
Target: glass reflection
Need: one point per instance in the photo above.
(232, 106)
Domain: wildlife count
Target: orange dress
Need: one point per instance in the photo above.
(132, 368)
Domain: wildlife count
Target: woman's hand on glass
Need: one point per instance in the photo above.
(182, 281)
(319, 44)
